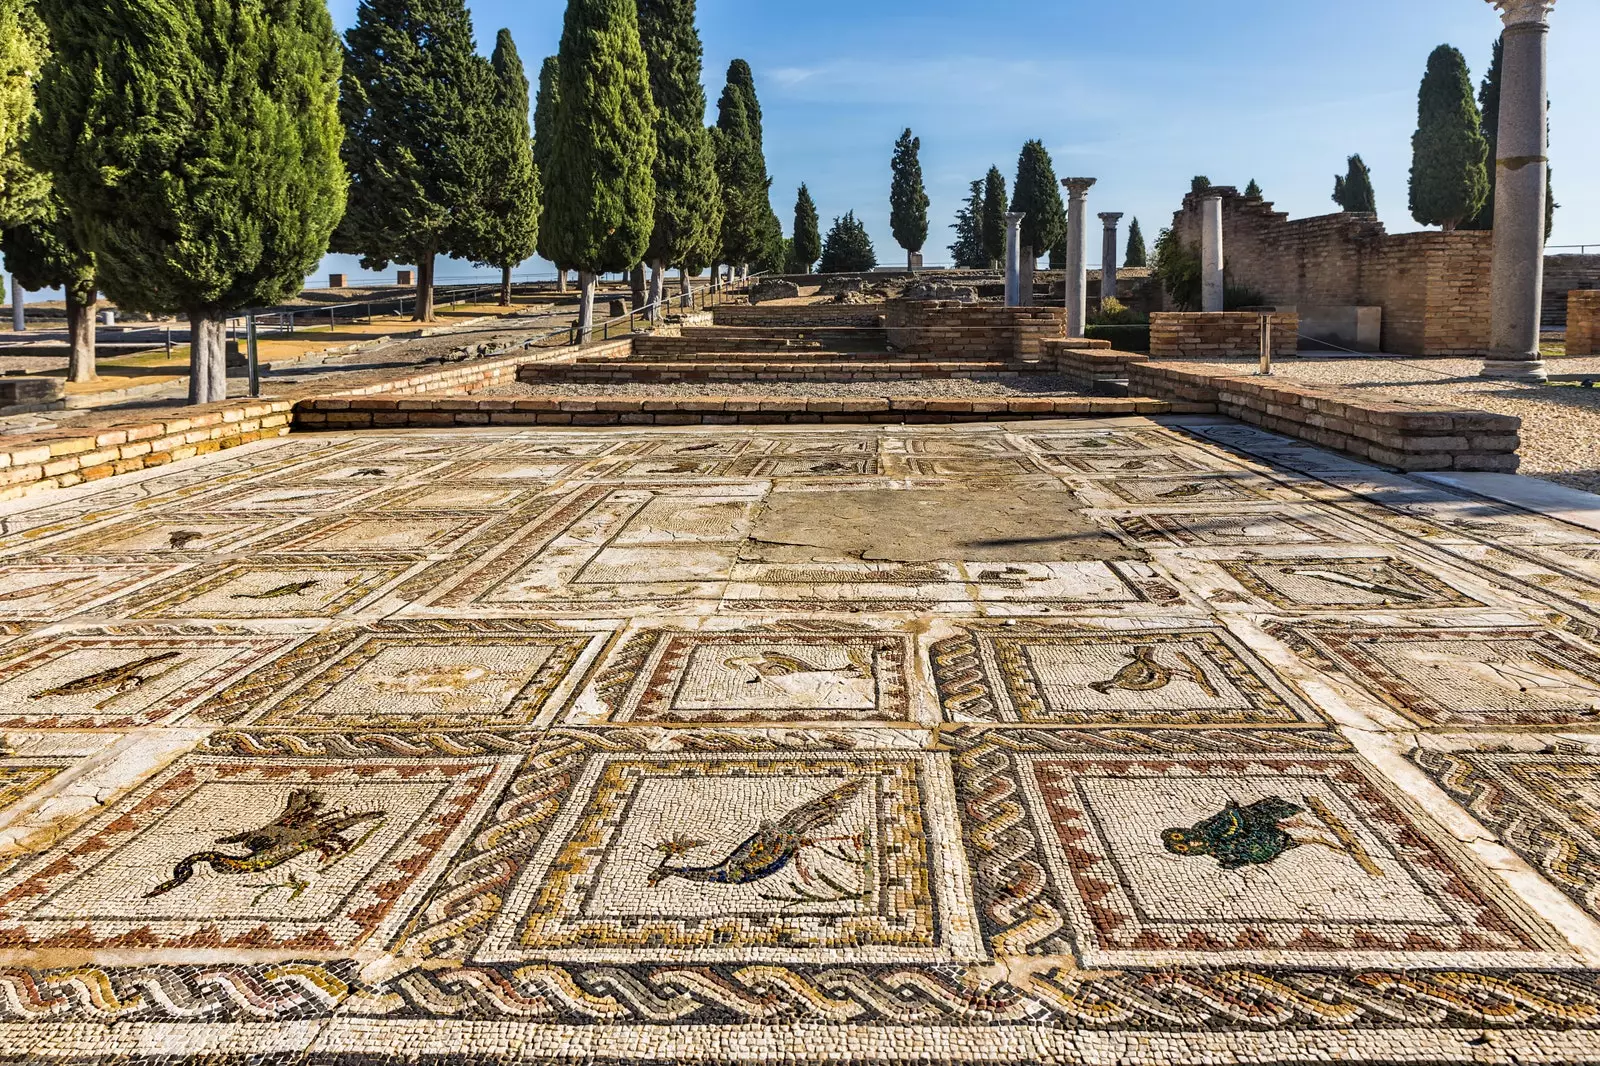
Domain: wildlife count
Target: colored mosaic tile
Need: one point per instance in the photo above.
(1223, 530)
(1087, 677)
(57, 589)
(1316, 583)
(268, 590)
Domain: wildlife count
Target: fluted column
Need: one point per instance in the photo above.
(1014, 258)
(1520, 192)
(1077, 254)
(1212, 278)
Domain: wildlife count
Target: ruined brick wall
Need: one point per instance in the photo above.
(944, 330)
(1219, 333)
(1433, 286)
(1583, 322)
(1564, 274)
(865, 315)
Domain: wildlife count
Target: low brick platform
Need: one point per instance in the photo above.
(947, 330)
(810, 316)
(1407, 436)
(1091, 369)
(817, 370)
(1583, 322)
(1209, 334)
(336, 413)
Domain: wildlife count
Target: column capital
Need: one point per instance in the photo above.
(1014, 218)
(1078, 187)
(1521, 12)
(1110, 218)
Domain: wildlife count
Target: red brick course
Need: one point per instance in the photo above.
(1583, 322)
(1210, 334)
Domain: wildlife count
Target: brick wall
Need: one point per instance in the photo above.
(1219, 333)
(1091, 369)
(1433, 286)
(1564, 274)
(1408, 436)
(945, 330)
(1583, 322)
(866, 315)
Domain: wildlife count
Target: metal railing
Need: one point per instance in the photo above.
(1583, 249)
(712, 295)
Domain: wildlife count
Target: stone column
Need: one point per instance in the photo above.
(1211, 260)
(1014, 258)
(1077, 255)
(19, 310)
(1517, 272)
(1108, 254)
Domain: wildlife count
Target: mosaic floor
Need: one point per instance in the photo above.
(1143, 744)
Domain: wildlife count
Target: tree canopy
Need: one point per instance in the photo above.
(994, 216)
(908, 199)
(1037, 193)
(1137, 256)
(546, 102)
(742, 169)
(1353, 189)
(1449, 155)
(806, 245)
(848, 248)
(510, 230)
(967, 249)
(1253, 190)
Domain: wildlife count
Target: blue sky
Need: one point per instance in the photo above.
(1141, 94)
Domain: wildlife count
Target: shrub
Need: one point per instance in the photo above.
(1113, 312)
(1123, 338)
(848, 249)
(1236, 296)
(1177, 265)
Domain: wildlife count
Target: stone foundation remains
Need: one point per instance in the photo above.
(1583, 323)
(947, 330)
(1211, 334)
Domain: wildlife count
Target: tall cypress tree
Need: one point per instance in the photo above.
(1489, 106)
(908, 199)
(417, 100)
(994, 216)
(510, 219)
(742, 169)
(688, 219)
(1449, 155)
(1137, 256)
(210, 180)
(1037, 193)
(967, 250)
(806, 245)
(1353, 189)
(546, 102)
(601, 185)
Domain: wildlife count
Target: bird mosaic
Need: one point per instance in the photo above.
(302, 827)
(1257, 834)
(1143, 673)
(768, 851)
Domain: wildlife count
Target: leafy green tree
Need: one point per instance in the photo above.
(510, 219)
(742, 169)
(994, 216)
(418, 103)
(601, 186)
(1136, 257)
(806, 246)
(688, 218)
(22, 51)
(1353, 189)
(1199, 184)
(967, 251)
(1489, 106)
(1037, 194)
(210, 180)
(848, 248)
(546, 102)
(42, 251)
(773, 258)
(1252, 191)
(908, 199)
(1449, 172)
(1177, 267)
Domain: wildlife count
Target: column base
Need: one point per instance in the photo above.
(1528, 371)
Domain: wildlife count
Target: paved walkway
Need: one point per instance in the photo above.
(1105, 742)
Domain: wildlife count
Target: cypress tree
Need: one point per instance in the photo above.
(848, 249)
(1353, 189)
(994, 216)
(417, 101)
(1037, 193)
(1137, 256)
(601, 186)
(908, 199)
(806, 248)
(510, 231)
(1449, 175)
(774, 255)
(210, 180)
(1489, 106)
(688, 220)
(742, 169)
(546, 103)
(1199, 184)
(1252, 191)
(967, 251)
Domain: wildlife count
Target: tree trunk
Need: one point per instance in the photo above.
(561, 279)
(505, 286)
(208, 357)
(658, 290)
(80, 333)
(423, 312)
(685, 290)
(588, 284)
(636, 281)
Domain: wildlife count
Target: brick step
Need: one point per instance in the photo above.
(848, 337)
(891, 370)
(776, 355)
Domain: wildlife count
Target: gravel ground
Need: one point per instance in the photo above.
(1560, 423)
(1031, 385)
